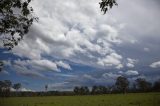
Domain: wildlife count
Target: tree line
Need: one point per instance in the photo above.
(122, 85)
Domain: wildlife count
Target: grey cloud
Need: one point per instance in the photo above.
(4, 72)
(155, 64)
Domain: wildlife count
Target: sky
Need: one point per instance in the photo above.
(75, 44)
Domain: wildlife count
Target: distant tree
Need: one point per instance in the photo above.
(76, 90)
(143, 85)
(17, 86)
(5, 88)
(156, 86)
(1, 85)
(1, 88)
(106, 4)
(134, 87)
(1, 65)
(99, 90)
(103, 89)
(122, 83)
(94, 89)
(83, 90)
(46, 87)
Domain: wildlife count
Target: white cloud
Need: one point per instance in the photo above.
(119, 66)
(131, 62)
(38, 64)
(45, 64)
(64, 65)
(22, 89)
(83, 36)
(130, 65)
(111, 60)
(131, 72)
(110, 75)
(25, 89)
(155, 64)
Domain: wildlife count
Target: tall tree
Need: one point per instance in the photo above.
(17, 86)
(122, 83)
(156, 86)
(99, 90)
(46, 87)
(76, 90)
(1, 65)
(1, 85)
(86, 90)
(83, 90)
(143, 85)
(5, 88)
(94, 89)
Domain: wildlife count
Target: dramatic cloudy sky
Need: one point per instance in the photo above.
(74, 44)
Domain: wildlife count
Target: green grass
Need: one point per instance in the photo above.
(132, 99)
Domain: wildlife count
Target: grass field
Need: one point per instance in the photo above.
(133, 99)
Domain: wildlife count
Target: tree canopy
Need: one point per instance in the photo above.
(17, 86)
(142, 84)
(16, 17)
(106, 4)
(1, 65)
(122, 83)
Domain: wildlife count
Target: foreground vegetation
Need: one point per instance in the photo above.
(131, 99)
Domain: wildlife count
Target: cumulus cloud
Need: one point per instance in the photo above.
(82, 37)
(113, 59)
(64, 65)
(155, 64)
(131, 72)
(131, 62)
